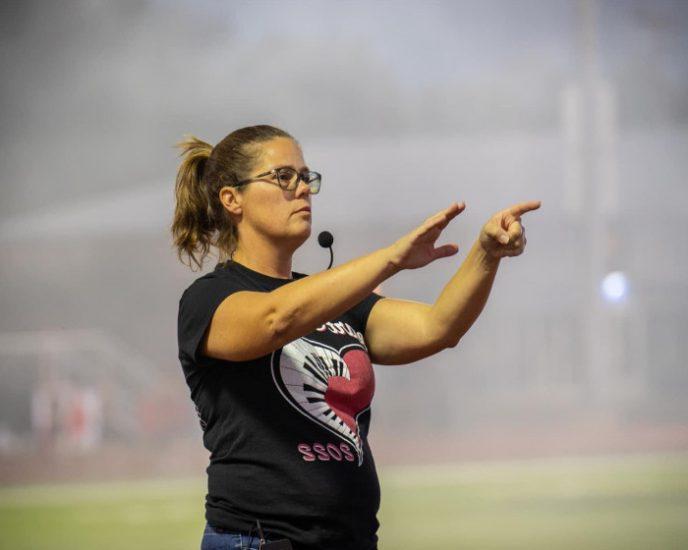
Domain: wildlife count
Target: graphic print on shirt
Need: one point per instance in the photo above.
(332, 387)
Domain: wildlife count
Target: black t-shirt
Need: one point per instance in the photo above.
(287, 432)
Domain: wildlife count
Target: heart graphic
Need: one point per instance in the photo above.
(349, 396)
(330, 387)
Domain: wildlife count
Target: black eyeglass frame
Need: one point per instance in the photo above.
(274, 172)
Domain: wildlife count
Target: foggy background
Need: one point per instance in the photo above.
(403, 107)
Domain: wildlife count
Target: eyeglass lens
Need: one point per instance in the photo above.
(288, 179)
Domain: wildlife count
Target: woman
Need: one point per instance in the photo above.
(279, 363)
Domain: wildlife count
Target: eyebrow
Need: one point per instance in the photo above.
(292, 167)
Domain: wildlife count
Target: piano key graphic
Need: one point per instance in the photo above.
(304, 370)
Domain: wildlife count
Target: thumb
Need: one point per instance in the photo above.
(445, 250)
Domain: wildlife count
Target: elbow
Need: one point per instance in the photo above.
(453, 343)
(443, 338)
(280, 323)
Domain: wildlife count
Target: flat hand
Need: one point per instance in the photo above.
(504, 234)
(417, 248)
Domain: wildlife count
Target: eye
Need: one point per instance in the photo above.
(285, 174)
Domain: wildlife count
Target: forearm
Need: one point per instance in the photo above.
(464, 296)
(303, 305)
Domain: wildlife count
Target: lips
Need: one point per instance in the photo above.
(305, 208)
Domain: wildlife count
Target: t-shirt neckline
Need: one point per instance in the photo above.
(260, 275)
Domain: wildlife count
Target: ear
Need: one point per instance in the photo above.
(231, 200)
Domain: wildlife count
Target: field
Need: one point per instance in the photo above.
(605, 502)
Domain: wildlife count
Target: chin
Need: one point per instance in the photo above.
(307, 232)
(301, 232)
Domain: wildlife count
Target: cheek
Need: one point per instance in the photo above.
(270, 214)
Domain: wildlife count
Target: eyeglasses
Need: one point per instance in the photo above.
(288, 179)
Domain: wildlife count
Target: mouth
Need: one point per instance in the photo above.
(304, 209)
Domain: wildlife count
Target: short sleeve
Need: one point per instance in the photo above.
(362, 310)
(196, 309)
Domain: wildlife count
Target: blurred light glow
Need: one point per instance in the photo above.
(614, 287)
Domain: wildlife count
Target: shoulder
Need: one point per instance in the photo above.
(219, 280)
(201, 282)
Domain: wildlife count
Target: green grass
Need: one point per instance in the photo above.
(623, 502)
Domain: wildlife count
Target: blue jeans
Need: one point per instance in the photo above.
(220, 539)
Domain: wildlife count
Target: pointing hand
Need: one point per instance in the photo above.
(504, 234)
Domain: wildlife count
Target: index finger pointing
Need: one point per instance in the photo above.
(523, 207)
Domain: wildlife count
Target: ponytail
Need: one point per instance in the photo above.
(192, 227)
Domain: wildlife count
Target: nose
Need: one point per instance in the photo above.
(302, 188)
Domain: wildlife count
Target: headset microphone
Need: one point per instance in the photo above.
(325, 239)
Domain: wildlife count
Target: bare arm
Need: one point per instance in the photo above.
(404, 331)
(251, 324)
(464, 296)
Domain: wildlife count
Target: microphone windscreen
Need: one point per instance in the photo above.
(325, 239)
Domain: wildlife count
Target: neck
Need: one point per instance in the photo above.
(265, 258)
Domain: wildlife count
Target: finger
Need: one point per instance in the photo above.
(516, 242)
(427, 233)
(460, 207)
(515, 231)
(520, 241)
(445, 250)
(448, 213)
(442, 219)
(523, 207)
(518, 245)
(497, 233)
(437, 215)
(455, 207)
(454, 210)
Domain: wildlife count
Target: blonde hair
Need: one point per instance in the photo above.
(200, 220)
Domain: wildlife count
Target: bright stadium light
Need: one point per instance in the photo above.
(614, 287)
